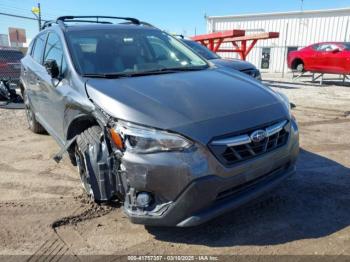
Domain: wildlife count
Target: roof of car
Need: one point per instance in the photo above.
(7, 48)
(79, 27)
(329, 42)
(72, 23)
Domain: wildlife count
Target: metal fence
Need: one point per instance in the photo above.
(10, 66)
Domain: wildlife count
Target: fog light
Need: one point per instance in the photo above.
(143, 199)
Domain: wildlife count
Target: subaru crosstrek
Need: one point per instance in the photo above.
(146, 120)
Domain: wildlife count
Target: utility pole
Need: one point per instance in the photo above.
(285, 49)
(39, 20)
(36, 10)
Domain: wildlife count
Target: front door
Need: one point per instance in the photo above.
(53, 90)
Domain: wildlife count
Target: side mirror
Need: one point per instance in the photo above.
(336, 50)
(52, 68)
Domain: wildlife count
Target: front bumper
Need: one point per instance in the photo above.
(192, 188)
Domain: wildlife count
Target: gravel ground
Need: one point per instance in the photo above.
(43, 209)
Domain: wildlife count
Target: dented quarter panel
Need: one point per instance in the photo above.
(76, 105)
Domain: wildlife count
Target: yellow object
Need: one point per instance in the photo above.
(35, 10)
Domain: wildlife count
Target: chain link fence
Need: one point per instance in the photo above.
(16, 32)
(10, 65)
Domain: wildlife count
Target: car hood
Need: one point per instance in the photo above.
(233, 63)
(198, 104)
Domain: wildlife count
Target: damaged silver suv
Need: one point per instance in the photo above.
(146, 120)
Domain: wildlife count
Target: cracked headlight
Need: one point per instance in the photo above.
(140, 139)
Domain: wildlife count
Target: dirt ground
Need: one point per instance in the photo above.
(43, 209)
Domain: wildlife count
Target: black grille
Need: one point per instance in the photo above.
(233, 154)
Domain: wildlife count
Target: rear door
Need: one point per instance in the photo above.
(33, 71)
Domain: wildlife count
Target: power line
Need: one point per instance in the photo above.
(49, 11)
(20, 16)
(14, 7)
(24, 12)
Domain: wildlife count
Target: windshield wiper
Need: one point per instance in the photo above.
(143, 73)
(166, 70)
(131, 74)
(107, 75)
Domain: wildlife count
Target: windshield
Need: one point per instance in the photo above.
(129, 51)
(202, 50)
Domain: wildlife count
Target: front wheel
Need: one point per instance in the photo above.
(300, 67)
(95, 172)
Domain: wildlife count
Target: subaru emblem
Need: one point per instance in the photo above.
(258, 136)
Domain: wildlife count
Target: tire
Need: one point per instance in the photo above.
(300, 67)
(33, 124)
(94, 166)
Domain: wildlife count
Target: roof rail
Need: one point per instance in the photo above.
(91, 19)
(47, 24)
(88, 21)
(179, 36)
(73, 19)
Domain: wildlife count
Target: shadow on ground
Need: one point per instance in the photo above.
(305, 82)
(289, 84)
(312, 204)
(330, 82)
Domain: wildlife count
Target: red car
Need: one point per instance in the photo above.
(327, 57)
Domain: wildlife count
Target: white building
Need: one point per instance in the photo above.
(297, 29)
(4, 40)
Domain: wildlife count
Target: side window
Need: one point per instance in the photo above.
(53, 51)
(159, 50)
(315, 47)
(39, 48)
(334, 47)
(324, 47)
(31, 48)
